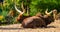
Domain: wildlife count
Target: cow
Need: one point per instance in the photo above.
(38, 20)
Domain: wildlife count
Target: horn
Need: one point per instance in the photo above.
(22, 6)
(18, 10)
(46, 12)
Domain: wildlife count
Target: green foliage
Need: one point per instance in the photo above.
(42, 5)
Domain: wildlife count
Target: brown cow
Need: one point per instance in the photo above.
(30, 20)
(35, 21)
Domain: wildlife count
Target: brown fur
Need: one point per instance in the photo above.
(37, 21)
(21, 18)
(33, 22)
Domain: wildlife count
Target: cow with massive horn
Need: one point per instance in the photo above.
(20, 16)
(34, 21)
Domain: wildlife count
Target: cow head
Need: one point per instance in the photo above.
(20, 16)
(48, 18)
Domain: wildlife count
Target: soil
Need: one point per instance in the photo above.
(53, 27)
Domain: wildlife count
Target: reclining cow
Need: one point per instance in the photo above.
(35, 21)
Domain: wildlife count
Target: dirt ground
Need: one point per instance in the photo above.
(53, 27)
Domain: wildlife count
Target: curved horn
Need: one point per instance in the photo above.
(18, 10)
(47, 12)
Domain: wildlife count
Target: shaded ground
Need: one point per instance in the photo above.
(18, 28)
